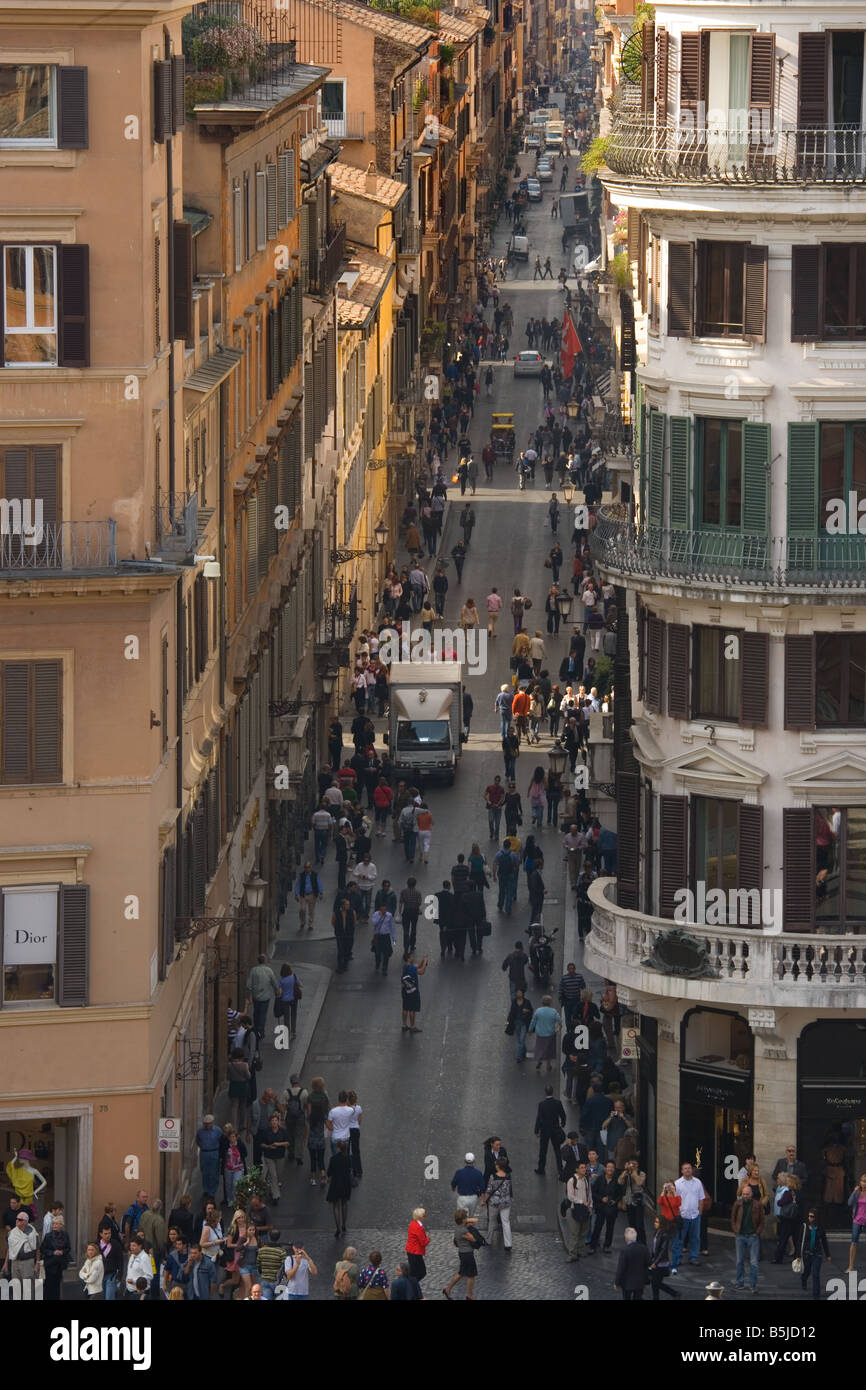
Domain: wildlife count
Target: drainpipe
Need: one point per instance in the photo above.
(172, 464)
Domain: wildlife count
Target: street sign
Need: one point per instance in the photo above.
(168, 1135)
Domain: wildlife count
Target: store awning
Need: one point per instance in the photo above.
(214, 371)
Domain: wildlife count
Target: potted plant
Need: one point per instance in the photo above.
(252, 1184)
(596, 154)
(621, 271)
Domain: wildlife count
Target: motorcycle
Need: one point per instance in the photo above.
(541, 954)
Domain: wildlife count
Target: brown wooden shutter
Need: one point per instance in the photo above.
(162, 85)
(673, 851)
(812, 80)
(694, 72)
(271, 199)
(641, 649)
(182, 246)
(178, 91)
(169, 911)
(46, 481)
(74, 315)
(73, 946)
(628, 839)
(798, 869)
(754, 678)
(799, 682)
(755, 293)
(15, 717)
(632, 233)
(662, 60)
(679, 683)
(47, 684)
(655, 663)
(807, 263)
(681, 294)
(647, 67)
(750, 849)
(72, 123)
(762, 72)
(1, 945)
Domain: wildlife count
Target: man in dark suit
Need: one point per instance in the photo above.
(447, 913)
(571, 1153)
(632, 1269)
(549, 1128)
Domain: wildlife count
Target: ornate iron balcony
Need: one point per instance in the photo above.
(74, 546)
(730, 558)
(638, 147)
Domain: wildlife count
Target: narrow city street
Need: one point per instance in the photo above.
(429, 1099)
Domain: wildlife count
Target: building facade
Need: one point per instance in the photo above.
(735, 147)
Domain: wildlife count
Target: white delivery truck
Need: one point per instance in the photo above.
(554, 136)
(425, 720)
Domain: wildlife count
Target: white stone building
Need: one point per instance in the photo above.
(740, 157)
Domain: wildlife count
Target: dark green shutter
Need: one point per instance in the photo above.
(679, 488)
(655, 490)
(756, 475)
(802, 494)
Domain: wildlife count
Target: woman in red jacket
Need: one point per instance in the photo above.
(417, 1241)
(669, 1204)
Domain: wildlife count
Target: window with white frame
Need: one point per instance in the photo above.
(28, 106)
(30, 305)
(334, 105)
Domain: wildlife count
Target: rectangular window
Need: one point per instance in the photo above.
(261, 209)
(720, 289)
(31, 722)
(334, 106)
(716, 679)
(840, 679)
(30, 306)
(720, 465)
(840, 866)
(716, 824)
(28, 115)
(844, 291)
(163, 694)
(237, 226)
(30, 921)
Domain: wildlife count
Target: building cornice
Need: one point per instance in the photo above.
(93, 14)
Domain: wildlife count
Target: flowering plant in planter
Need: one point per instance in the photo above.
(620, 228)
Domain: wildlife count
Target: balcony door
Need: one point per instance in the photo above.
(846, 99)
(728, 100)
(30, 537)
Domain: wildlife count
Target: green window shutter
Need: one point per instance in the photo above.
(655, 490)
(756, 468)
(679, 492)
(802, 493)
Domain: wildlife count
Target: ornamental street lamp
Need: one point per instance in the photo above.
(567, 493)
(563, 603)
(557, 757)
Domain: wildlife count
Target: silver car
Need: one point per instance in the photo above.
(544, 171)
(533, 189)
(529, 363)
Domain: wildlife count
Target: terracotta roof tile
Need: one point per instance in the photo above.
(353, 309)
(458, 27)
(381, 22)
(346, 179)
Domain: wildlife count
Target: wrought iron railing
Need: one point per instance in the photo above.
(62, 545)
(339, 620)
(350, 126)
(237, 51)
(778, 562)
(176, 517)
(325, 268)
(409, 240)
(752, 154)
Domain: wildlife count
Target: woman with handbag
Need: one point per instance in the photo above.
(467, 1240)
(513, 809)
(497, 1199)
(660, 1259)
(478, 869)
(291, 993)
(373, 1281)
(578, 1195)
(417, 1241)
(787, 1210)
(519, 1019)
(239, 1077)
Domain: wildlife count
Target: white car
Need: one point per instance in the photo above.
(532, 142)
(544, 171)
(529, 363)
(533, 189)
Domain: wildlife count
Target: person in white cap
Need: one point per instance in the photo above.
(468, 1183)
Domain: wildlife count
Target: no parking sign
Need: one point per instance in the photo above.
(168, 1135)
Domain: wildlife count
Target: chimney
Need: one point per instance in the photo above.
(371, 179)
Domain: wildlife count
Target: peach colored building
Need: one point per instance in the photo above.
(162, 290)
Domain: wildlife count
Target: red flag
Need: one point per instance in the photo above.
(569, 346)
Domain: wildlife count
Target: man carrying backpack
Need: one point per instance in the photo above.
(295, 1100)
